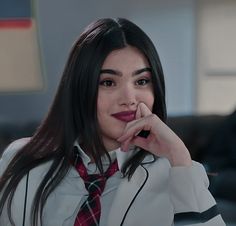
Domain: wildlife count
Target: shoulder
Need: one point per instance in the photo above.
(14, 147)
(152, 163)
(11, 151)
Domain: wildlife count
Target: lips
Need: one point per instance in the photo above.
(125, 116)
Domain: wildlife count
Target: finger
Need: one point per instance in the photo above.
(142, 111)
(125, 145)
(135, 141)
(140, 142)
(134, 130)
(128, 135)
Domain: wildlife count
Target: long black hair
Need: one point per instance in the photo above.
(73, 113)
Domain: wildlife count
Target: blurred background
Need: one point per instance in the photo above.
(196, 43)
(195, 40)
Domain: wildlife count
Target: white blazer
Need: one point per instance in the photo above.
(156, 194)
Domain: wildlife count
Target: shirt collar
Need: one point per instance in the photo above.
(121, 156)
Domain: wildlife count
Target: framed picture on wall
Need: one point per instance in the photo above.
(20, 62)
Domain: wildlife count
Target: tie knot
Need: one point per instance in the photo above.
(95, 184)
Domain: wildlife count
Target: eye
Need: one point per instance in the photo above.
(143, 81)
(107, 83)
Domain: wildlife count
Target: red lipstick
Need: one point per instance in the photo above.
(125, 116)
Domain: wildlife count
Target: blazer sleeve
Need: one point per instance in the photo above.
(192, 201)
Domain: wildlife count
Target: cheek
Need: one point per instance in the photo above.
(103, 104)
(99, 105)
(148, 99)
(150, 103)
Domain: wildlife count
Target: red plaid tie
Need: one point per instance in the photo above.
(90, 211)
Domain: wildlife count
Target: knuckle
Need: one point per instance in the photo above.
(152, 117)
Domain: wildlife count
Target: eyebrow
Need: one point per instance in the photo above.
(116, 72)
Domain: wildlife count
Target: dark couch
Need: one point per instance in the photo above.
(211, 140)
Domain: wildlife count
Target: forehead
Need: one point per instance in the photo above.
(126, 57)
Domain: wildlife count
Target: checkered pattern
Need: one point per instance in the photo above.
(90, 211)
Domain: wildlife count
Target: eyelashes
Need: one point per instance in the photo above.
(143, 81)
(138, 82)
(107, 83)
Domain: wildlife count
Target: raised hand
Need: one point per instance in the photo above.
(161, 141)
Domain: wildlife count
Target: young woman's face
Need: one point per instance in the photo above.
(125, 81)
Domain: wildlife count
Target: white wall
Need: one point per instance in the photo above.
(171, 26)
(216, 69)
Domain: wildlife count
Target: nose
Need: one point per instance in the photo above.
(127, 96)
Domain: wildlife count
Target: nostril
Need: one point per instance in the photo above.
(128, 103)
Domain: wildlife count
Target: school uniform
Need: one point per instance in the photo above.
(156, 195)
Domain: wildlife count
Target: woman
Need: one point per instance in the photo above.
(107, 122)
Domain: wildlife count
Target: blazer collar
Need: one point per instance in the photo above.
(121, 156)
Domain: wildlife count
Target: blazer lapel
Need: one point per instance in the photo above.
(125, 196)
(62, 203)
